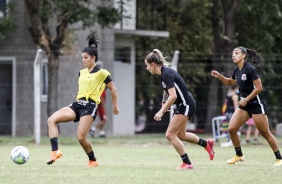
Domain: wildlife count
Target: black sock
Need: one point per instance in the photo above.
(239, 151)
(202, 142)
(54, 143)
(185, 158)
(278, 155)
(91, 156)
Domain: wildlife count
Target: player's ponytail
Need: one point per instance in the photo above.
(157, 57)
(256, 58)
(92, 47)
(93, 41)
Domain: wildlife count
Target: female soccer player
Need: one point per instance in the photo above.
(251, 103)
(184, 107)
(91, 83)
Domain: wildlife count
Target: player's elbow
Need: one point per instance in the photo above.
(259, 88)
(231, 83)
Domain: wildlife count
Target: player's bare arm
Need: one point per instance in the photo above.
(223, 79)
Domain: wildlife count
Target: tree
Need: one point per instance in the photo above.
(7, 23)
(223, 14)
(199, 28)
(65, 13)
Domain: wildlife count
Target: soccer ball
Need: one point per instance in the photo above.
(20, 154)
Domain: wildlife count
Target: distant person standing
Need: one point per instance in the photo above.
(230, 104)
(251, 103)
(176, 94)
(91, 83)
(252, 126)
(102, 116)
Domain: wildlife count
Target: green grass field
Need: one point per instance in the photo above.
(145, 159)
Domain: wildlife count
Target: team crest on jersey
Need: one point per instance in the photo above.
(244, 77)
(164, 86)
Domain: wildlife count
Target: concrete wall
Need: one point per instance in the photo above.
(20, 45)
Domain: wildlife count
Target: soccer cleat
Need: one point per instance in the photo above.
(92, 163)
(102, 136)
(209, 148)
(278, 162)
(236, 159)
(54, 156)
(185, 166)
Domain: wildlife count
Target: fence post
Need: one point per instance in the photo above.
(37, 96)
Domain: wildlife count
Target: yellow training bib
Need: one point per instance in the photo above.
(91, 85)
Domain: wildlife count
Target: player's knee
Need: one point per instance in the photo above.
(81, 138)
(265, 133)
(51, 121)
(232, 130)
(170, 136)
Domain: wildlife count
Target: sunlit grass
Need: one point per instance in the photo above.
(135, 159)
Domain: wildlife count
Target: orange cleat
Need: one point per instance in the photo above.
(54, 156)
(209, 148)
(185, 166)
(92, 163)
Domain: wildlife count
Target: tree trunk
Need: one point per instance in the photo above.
(229, 42)
(222, 49)
(53, 68)
(213, 92)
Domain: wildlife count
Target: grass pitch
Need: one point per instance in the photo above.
(144, 159)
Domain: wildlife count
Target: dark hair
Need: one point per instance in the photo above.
(92, 47)
(157, 57)
(256, 58)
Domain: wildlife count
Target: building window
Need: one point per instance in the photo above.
(44, 80)
(122, 54)
(3, 7)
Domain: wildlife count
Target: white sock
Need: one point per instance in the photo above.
(102, 132)
(93, 128)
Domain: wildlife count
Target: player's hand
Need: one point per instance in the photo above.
(215, 73)
(158, 116)
(116, 110)
(243, 102)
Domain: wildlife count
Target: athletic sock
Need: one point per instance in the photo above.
(91, 156)
(102, 132)
(202, 142)
(239, 151)
(278, 155)
(54, 143)
(185, 159)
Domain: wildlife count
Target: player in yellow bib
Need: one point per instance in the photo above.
(92, 82)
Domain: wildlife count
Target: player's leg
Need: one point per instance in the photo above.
(177, 124)
(193, 138)
(261, 122)
(238, 119)
(248, 134)
(65, 114)
(256, 134)
(82, 132)
(102, 122)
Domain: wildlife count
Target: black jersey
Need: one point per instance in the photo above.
(245, 78)
(169, 79)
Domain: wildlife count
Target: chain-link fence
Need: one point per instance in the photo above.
(17, 90)
(199, 81)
